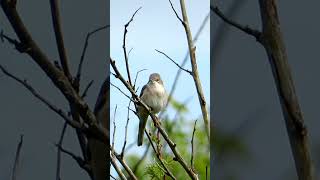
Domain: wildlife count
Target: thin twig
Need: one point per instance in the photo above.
(129, 52)
(83, 164)
(166, 170)
(124, 45)
(175, 12)
(117, 168)
(192, 145)
(113, 177)
(186, 70)
(124, 164)
(246, 29)
(85, 46)
(126, 131)
(135, 79)
(114, 127)
(120, 90)
(42, 99)
(9, 39)
(156, 122)
(17, 159)
(59, 151)
(54, 4)
(221, 31)
(84, 94)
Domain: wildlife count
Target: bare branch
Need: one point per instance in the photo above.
(192, 145)
(126, 131)
(175, 82)
(186, 70)
(156, 122)
(9, 39)
(196, 78)
(17, 159)
(83, 164)
(84, 94)
(135, 79)
(20, 47)
(117, 168)
(120, 90)
(124, 164)
(130, 52)
(42, 99)
(54, 4)
(59, 151)
(114, 128)
(175, 12)
(85, 46)
(124, 45)
(113, 177)
(246, 29)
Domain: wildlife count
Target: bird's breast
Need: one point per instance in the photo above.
(155, 97)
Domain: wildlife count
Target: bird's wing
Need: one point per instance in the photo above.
(141, 93)
(143, 88)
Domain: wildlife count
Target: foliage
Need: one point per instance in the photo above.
(180, 130)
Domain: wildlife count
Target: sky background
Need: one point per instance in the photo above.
(155, 26)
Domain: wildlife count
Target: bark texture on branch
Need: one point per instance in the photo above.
(195, 73)
(273, 42)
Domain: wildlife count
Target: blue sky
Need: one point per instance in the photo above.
(155, 26)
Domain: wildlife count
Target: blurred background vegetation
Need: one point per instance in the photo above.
(180, 130)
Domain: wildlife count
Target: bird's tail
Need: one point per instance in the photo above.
(143, 116)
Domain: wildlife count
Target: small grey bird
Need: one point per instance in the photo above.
(154, 95)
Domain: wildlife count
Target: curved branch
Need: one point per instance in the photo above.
(246, 29)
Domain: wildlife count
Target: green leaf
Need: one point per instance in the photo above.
(178, 106)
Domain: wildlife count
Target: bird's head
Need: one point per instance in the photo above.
(155, 78)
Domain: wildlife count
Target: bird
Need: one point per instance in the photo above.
(154, 95)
